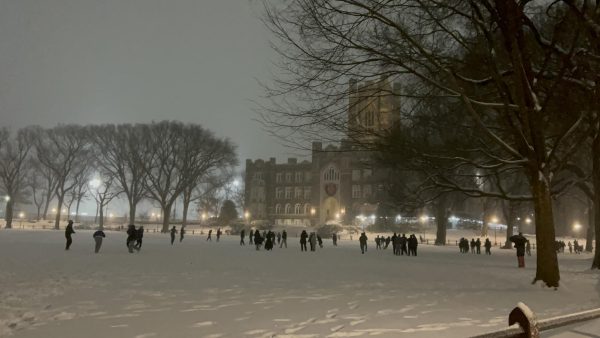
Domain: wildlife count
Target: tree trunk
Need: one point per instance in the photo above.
(132, 207)
(596, 187)
(510, 214)
(8, 214)
(187, 199)
(589, 236)
(101, 216)
(77, 209)
(441, 220)
(58, 211)
(46, 206)
(166, 218)
(547, 263)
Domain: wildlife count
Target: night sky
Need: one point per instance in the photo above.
(113, 61)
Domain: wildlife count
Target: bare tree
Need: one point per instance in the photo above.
(62, 150)
(123, 152)
(206, 187)
(103, 190)
(14, 152)
(507, 62)
(181, 154)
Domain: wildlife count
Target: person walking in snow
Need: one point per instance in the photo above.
(303, 238)
(257, 239)
(363, 242)
(570, 247)
(478, 246)
(412, 245)
(520, 242)
(139, 236)
(218, 234)
(269, 243)
(320, 241)
(283, 239)
(472, 245)
(68, 232)
(98, 237)
(311, 241)
(403, 242)
(181, 233)
(488, 246)
(173, 233)
(251, 236)
(334, 239)
(242, 236)
(131, 237)
(209, 238)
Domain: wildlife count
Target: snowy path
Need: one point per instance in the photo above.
(203, 289)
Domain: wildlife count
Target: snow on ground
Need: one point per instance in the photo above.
(208, 289)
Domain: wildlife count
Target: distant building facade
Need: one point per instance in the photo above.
(340, 182)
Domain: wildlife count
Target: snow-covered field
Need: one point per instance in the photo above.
(208, 289)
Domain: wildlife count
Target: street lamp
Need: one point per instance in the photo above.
(247, 217)
(21, 216)
(576, 228)
(494, 221)
(7, 198)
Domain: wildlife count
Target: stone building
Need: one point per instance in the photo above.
(340, 181)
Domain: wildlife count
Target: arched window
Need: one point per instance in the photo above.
(306, 208)
(288, 209)
(278, 209)
(297, 209)
(331, 174)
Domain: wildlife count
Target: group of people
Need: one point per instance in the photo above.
(475, 245)
(219, 233)
(268, 238)
(312, 239)
(575, 247)
(134, 238)
(401, 245)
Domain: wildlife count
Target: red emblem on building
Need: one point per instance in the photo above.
(330, 189)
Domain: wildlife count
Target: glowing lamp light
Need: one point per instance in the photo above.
(21, 215)
(7, 198)
(576, 226)
(494, 220)
(528, 220)
(246, 215)
(424, 218)
(313, 211)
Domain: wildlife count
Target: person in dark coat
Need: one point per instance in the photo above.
(488, 246)
(242, 236)
(303, 239)
(334, 239)
(257, 239)
(520, 242)
(320, 241)
(279, 238)
(395, 244)
(283, 239)
(472, 245)
(173, 233)
(181, 233)
(269, 242)
(388, 239)
(403, 243)
(209, 237)
(412, 245)
(98, 237)
(478, 246)
(251, 237)
(139, 236)
(219, 234)
(363, 242)
(68, 232)
(131, 237)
